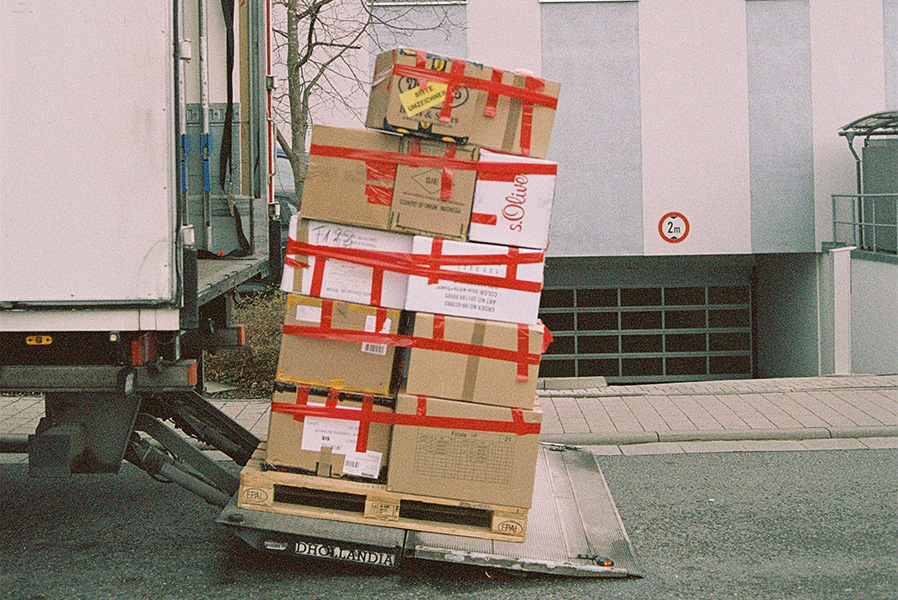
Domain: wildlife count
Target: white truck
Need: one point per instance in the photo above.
(136, 156)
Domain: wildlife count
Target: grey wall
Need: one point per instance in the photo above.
(648, 271)
(593, 50)
(780, 126)
(874, 316)
(890, 29)
(439, 30)
(827, 318)
(786, 293)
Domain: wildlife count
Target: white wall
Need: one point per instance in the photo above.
(695, 150)
(847, 82)
(505, 35)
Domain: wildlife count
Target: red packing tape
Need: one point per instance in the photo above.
(420, 265)
(516, 426)
(529, 95)
(380, 161)
(522, 355)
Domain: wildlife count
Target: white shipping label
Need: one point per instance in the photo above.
(363, 464)
(340, 435)
(371, 326)
(308, 314)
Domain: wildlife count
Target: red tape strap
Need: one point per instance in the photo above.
(516, 426)
(528, 93)
(379, 160)
(522, 355)
(421, 265)
(483, 219)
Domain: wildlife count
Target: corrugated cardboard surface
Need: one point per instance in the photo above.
(408, 198)
(335, 188)
(417, 204)
(501, 132)
(521, 207)
(343, 280)
(479, 379)
(475, 301)
(475, 466)
(345, 365)
(285, 438)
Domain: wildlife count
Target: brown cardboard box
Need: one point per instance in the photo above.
(390, 182)
(464, 462)
(329, 447)
(312, 352)
(487, 362)
(398, 103)
(340, 279)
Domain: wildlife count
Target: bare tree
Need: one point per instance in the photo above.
(324, 46)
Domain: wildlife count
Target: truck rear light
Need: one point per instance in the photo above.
(143, 349)
(192, 375)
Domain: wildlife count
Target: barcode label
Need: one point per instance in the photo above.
(363, 464)
(374, 348)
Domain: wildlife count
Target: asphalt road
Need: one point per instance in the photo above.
(745, 525)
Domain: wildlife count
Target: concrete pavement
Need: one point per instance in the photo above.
(750, 414)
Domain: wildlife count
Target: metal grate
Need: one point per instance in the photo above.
(651, 334)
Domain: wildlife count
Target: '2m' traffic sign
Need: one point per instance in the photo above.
(673, 227)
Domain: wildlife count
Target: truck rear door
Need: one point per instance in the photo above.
(87, 153)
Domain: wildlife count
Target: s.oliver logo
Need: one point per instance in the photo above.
(514, 210)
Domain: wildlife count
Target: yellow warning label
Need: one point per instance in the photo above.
(417, 100)
(38, 340)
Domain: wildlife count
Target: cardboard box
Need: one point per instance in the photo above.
(329, 447)
(487, 362)
(325, 344)
(488, 107)
(486, 281)
(468, 462)
(340, 279)
(390, 182)
(513, 201)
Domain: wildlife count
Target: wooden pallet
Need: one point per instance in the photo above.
(371, 504)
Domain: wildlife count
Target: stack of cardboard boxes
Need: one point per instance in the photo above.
(411, 342)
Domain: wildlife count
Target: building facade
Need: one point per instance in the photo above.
(698, 150)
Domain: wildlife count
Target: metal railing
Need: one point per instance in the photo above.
(868, 221)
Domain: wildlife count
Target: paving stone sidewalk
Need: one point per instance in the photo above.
(813, 412)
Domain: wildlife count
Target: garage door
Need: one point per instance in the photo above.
(649, 334)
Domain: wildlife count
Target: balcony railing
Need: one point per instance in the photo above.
(868, 221)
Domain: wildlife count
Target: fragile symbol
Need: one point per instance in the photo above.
(673, 227)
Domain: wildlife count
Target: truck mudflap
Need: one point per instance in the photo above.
(573, 529)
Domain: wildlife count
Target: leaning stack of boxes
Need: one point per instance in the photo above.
(411, 341)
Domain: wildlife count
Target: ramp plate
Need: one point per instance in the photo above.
(573, 529)
(573, 526)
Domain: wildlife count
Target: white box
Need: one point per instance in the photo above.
(513, 201)
(506, 287)
(344, 279)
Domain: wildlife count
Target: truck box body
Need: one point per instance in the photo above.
(94, 106)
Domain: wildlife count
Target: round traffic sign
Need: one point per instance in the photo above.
(673, 227)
